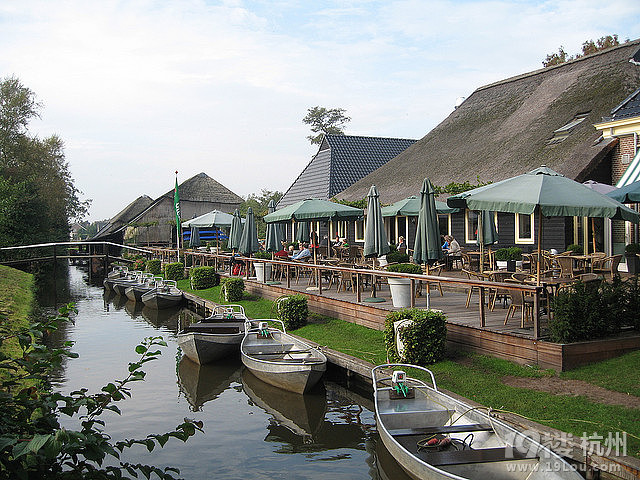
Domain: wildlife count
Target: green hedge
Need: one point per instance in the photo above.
(293, 311)
(232, 289)
(174, 271)
(424, 341)
(511, 253)
(405, 268)
(204, 277)
(262, 255)
(397, 257)
(154, 266)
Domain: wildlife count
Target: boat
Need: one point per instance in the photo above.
(121, 284)
(280, 359)
(164, 296)
(117, 272)
(434, 436)
(214, 337)
(148, 282)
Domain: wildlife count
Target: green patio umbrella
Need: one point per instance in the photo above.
(546, 193)
(427, 244)
(303, 233)
(249, 241)
(487, 233)
(627, 194)
(314, 209)
(410, 206)
(274, 236)
(375, 237)
(235, 234)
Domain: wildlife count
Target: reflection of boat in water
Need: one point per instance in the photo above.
(202, 383)
(134, 309)
(219, 335)
(280, 359)
(166, 318)
(300, 414)
(432, 435)
(386, 466)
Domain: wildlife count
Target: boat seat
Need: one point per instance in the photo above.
(474, 427)
(283, 352)
(481, 455)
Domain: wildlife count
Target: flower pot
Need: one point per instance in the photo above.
(633, 263)
(400, 291)
(263, 271)
(383, 261)
(511, 265)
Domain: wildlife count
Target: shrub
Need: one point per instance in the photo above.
(154, 266)
(405, 268)
(575, 248)
(232, 289)
(632, 248)
(204, 277)
(174, 271)
(505, 254)
(262, 255)
(424, 340)
(293, 311)
(397, 257)
(139, 264)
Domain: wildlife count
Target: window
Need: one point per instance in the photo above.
(524, 228)
(402, 227)
(471, 226)
(563, 132)
(444, 222)
(339, 228)
(359, 227)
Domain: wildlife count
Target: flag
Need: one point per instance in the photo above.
(176, 205)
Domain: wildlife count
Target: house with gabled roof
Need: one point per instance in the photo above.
(341, 160)
(155, 223)
(513, 126)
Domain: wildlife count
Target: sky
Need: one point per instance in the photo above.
(138, 89)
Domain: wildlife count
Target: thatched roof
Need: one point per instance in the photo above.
(127, 214)
(508, 128)
(203, 188)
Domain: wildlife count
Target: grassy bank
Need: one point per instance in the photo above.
(480, 378)
(16, 304)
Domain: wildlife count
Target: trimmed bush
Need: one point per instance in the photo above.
(262, 255)
(575, 248)
(397, 257)
(505, 254)
(174, 271)
(632, 248)
(232, 289)
(424, 341)
(154, 266)
(204, 277)
(405, 268)
(293, 311)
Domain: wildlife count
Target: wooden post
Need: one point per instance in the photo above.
(413, 293)
(536, 313)
(319, 281)
(288, 277)
(358, 294)
(482, 311)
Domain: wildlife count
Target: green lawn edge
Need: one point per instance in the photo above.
(17, 301)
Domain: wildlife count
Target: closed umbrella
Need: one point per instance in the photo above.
(249, 241)
(304, 232)
(546, 193)
(375, 237)
(235, 234)
(487, 233)
(274, 237)
(427, 245)
(194, 240)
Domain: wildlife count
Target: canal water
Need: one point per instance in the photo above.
(251, 430)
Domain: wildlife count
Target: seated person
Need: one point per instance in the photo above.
(337, 242)
(282, 253)
(402, 246)
(454, 246)
(445, 245)
(302, 254)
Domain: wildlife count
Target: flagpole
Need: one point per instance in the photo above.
(176, 207)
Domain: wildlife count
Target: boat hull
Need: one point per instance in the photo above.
(283, 361)
(135, 292)
(210, 342)
(160, 300)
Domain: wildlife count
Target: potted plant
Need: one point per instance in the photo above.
(631, 252)
(401, 287)
(263, 270)
(509, 258)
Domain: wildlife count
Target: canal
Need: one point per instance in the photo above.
(251, 430)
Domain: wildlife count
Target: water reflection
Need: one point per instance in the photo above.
(203, 383)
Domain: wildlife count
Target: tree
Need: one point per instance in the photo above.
(36, 172)
(325, 121)
(588, 48)
(260, 205)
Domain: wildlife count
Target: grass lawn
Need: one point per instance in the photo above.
(16, 304)
(479, 377)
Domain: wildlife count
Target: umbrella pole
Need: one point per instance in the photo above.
(428, 289)
(593, 233)
(539, 247)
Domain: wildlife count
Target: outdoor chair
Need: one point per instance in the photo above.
(469, 263)
(435, 270)
(566, 264)
(471, 289)
(519, 301)
(607, 265)
(346, 280)
(499, 293)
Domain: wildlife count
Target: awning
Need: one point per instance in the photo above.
(632, 174)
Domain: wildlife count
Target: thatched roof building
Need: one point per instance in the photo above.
(515, 125)
(113, 230)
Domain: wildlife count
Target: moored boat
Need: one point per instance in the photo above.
(147, 283)
(117, 272)
(280, 359)
(434, 436)
(121, 284)
(164, 296)
(214, 337)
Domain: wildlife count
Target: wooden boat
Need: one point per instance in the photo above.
(214, 337)
(147, 283)
(164, 296)
(434, 436)
(280, 359)
(117, 272)
(121, 284)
